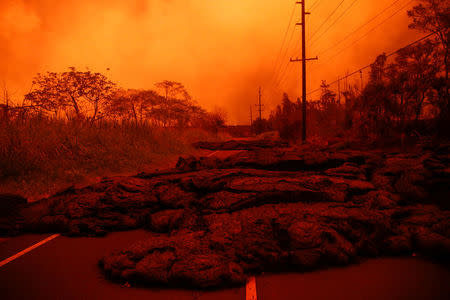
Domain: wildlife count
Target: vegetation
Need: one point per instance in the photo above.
(407, 95)
(75, 126)
(91, 97)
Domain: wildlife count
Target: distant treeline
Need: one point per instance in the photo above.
(92, 97)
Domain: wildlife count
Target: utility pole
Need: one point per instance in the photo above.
(303, 60)
(259, 105)
(259, 124)
(251, 120)
(339, 90)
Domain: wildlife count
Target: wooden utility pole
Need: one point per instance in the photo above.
(339, 91)
(251, 116)
(259, 123)
(303, 60)
(259, 105)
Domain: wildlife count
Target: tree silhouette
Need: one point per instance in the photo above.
(434, 16)
(137, 105)
(172, 89)
(85, 93)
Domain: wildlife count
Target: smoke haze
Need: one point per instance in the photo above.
(221, 50)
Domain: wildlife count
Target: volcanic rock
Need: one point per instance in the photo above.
(214, 222)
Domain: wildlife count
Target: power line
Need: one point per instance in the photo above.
(360, 27)
(282, 72)
(284, 40)
(326, 20)
(335, 21)
(286, 62)
(313, 6)
(371, 30)
(369, 65)
(286, 75)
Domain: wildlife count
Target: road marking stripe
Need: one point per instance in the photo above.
(211, 154)
(250, 289)
(23, 252)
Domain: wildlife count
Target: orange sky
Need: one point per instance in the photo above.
(221, 50)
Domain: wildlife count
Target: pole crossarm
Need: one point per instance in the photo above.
(300, 60)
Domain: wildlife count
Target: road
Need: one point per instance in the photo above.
(66, 268)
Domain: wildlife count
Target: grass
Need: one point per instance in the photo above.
(40, 156)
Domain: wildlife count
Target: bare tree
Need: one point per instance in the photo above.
(84, 92)
(172, 89)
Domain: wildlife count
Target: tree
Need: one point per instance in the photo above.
(286, 119)
(177, 102)
(148, 106)
(328, 97)
(85, 93)
(216, 119)
(433, 16)
(374, 107)
(134, 104)
(350, 96)
(172, 89)
(414, 76)
(328, 106)
(396, 94)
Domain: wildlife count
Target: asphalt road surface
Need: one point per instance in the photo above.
(66, 268)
